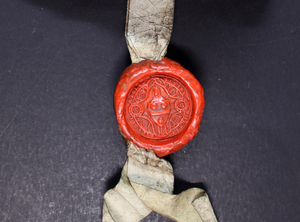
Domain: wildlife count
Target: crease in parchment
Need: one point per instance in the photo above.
(148, 28)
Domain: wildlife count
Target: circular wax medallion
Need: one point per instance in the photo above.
(158, 105)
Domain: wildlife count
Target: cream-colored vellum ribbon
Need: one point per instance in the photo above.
(146, 185)
(147, 181)
(148, 28)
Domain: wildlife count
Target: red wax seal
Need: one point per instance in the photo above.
(158, 105)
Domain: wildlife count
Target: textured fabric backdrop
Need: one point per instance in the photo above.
(60, 148)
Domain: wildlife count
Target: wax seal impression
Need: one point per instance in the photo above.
(158, 105)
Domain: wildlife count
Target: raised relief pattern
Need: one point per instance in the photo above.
(158, 107)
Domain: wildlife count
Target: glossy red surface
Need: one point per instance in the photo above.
(158, 105)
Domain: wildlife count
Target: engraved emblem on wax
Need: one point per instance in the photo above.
(158, 107)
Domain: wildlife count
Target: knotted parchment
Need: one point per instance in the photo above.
(146, 185)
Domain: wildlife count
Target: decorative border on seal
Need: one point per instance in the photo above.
(136, 71)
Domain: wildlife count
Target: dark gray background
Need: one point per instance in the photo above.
(60, 148)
